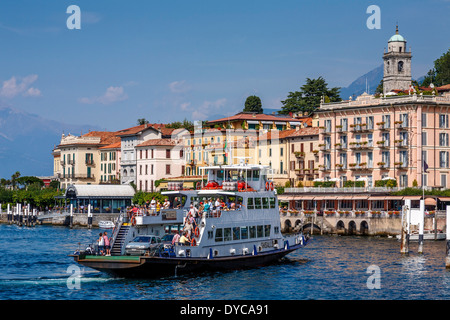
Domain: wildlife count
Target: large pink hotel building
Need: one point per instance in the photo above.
(390, 137)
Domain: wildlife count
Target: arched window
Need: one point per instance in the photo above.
(400, 66)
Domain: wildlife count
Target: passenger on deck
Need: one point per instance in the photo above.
(184, 240)
(166, 204)
(217, 204)
(176, 203)
(101, 244)
(107, 241)
(188, 227)
(176, 238)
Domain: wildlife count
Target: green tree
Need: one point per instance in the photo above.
(142, 121)
(253, 104)
(440, 74)
(309, 97)
(186, 124)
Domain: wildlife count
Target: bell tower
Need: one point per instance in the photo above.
(397, 64)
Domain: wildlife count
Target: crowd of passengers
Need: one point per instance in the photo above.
(193, 215)
(154, 206)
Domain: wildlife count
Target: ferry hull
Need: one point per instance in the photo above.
(153, 267)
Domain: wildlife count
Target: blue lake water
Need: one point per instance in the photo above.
(35, 265)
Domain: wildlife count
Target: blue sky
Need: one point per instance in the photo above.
(170, 60)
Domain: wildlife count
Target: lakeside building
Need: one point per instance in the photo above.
(110, 163)
(393, 136)
(79, 157)
(159, 159)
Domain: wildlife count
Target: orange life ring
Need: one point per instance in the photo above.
(193, 243)
(196, 232)
(271, 186)
(267, 186)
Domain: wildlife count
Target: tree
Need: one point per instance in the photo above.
(253, 104)
(14, 178)
(309, 97)
(186, 124)
(440, 74)
(141, 121)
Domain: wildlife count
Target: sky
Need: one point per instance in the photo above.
(167, 61)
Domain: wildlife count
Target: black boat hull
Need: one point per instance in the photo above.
(152, 267)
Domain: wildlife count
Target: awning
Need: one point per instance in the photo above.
(412, 197)
(444, 199)
(394, 197)
(327, 198)
(430, 201)
(360, 197)
(377, 198)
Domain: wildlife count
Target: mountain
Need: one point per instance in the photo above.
(360, 85)
(27, 140)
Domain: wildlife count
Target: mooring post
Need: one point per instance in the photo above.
(89, 216)
(8, 209)
(421, 223)
(71, 216)
(447, 236)
(20, 214)
(404, 246)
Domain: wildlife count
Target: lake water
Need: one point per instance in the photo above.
(35, 265)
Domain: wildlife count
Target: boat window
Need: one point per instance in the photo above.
(249, 174)
(236, 233)
(158, 240)
(259, 231)
(265, 202)
(272, 203)
(257, 203)
(220, 175)
(219, 235)
(244, 233)
(240, 200)
(227, 234)
(255, 175)
(252, 231)
(267, 230)
(250, 204)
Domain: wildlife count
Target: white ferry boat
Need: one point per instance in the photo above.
(244, 233)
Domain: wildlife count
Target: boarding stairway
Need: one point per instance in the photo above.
(116, 249)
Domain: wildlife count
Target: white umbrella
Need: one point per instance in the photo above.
(318, 179)
(388, 178)
(362, 179)
(334, 179)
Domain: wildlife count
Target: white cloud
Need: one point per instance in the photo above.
(185, 106)
(179, 86)
(207, 108)
(20, 86)
(112, 94)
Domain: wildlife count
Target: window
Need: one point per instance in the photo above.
(424, 138)
(344, 124)
(265, 202)
(444, 181)
(267, 230)
(226, 234)
(443, 121)
(424, 120)
(167, 168)
(343, 142)
(404, 158)
(244, 233)
(386, 158)
(443, 139)
(272, 203)
(252, 232)
(219, 235)
(387, 120)
(443, 159)
(250, 204)
(236, 233)
(257, 203)
(259, 231)
(343, 160)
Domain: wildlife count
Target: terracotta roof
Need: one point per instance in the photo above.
(158, 142)
(115, 145)
(253, 116)
(309, 131)
(281, 134)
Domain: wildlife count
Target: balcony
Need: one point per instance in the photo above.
(71, 161)
(401, 144)
(341, 167)
(325, 130)
(340, 146)
(360, 145)
(90, 162)
(299, 154)
(324, 167)
(383, 144)
(341, 129)
(383, 126)
(83, 176)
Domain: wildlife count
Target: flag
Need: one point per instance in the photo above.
(425, 166)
